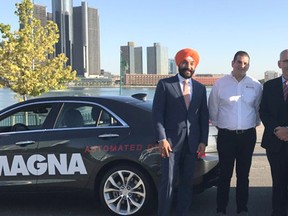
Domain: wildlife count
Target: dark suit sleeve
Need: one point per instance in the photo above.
(273, 113)
(267, 117)
(158, 110)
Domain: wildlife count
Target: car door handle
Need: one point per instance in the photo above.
(107, 136)
(24, 143)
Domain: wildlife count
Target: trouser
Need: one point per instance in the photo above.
(179, 166)
(234, 146)
(279, 169)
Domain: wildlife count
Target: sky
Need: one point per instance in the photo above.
(217, 29)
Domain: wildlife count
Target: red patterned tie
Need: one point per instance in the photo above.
(186, 92)
(285, 89)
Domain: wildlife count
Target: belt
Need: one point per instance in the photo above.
(236, 131)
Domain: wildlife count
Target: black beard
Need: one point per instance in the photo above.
(184, 75)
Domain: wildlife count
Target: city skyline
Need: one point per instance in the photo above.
(157, 59)
(79, 36)
(215, 29)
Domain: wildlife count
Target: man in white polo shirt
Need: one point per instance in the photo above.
(233, 107)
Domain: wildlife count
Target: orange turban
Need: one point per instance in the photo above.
(184, 53)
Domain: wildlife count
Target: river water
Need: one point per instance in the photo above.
(7, 97)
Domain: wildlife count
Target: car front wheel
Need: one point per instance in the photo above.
(125, 190)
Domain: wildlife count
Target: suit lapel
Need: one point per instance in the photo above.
(195, 94)
(177, 89)
(279, 88)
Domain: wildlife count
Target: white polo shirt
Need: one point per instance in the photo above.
(235, 105)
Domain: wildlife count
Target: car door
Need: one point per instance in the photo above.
(20, 130)
(77, 145)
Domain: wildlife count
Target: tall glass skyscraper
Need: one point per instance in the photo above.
(131, 56)
(157, 59)
(62, 12)
(86, 47)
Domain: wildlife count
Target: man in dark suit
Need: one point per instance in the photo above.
(274, 115)
(181, 124)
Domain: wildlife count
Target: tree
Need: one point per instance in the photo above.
(24, 64)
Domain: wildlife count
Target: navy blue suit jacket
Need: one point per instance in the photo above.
(173, 121)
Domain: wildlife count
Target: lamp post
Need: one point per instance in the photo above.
(123, 69)
(121, 75)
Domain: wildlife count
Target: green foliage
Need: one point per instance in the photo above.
(24, 64)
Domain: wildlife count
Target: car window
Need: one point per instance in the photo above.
(84, 115)
(26, 118)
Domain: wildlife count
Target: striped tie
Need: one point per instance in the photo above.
(285, 89)
(186, 92)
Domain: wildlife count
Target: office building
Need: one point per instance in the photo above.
(39, 12)
(131, 59)
(157, 60)
(49, 16)
(86, 48)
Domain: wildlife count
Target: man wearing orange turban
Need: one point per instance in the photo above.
(189, 56)
(176, 113)
(184, 53)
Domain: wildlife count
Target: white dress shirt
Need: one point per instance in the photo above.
(234, 105)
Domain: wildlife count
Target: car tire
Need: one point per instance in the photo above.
(126, 190)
